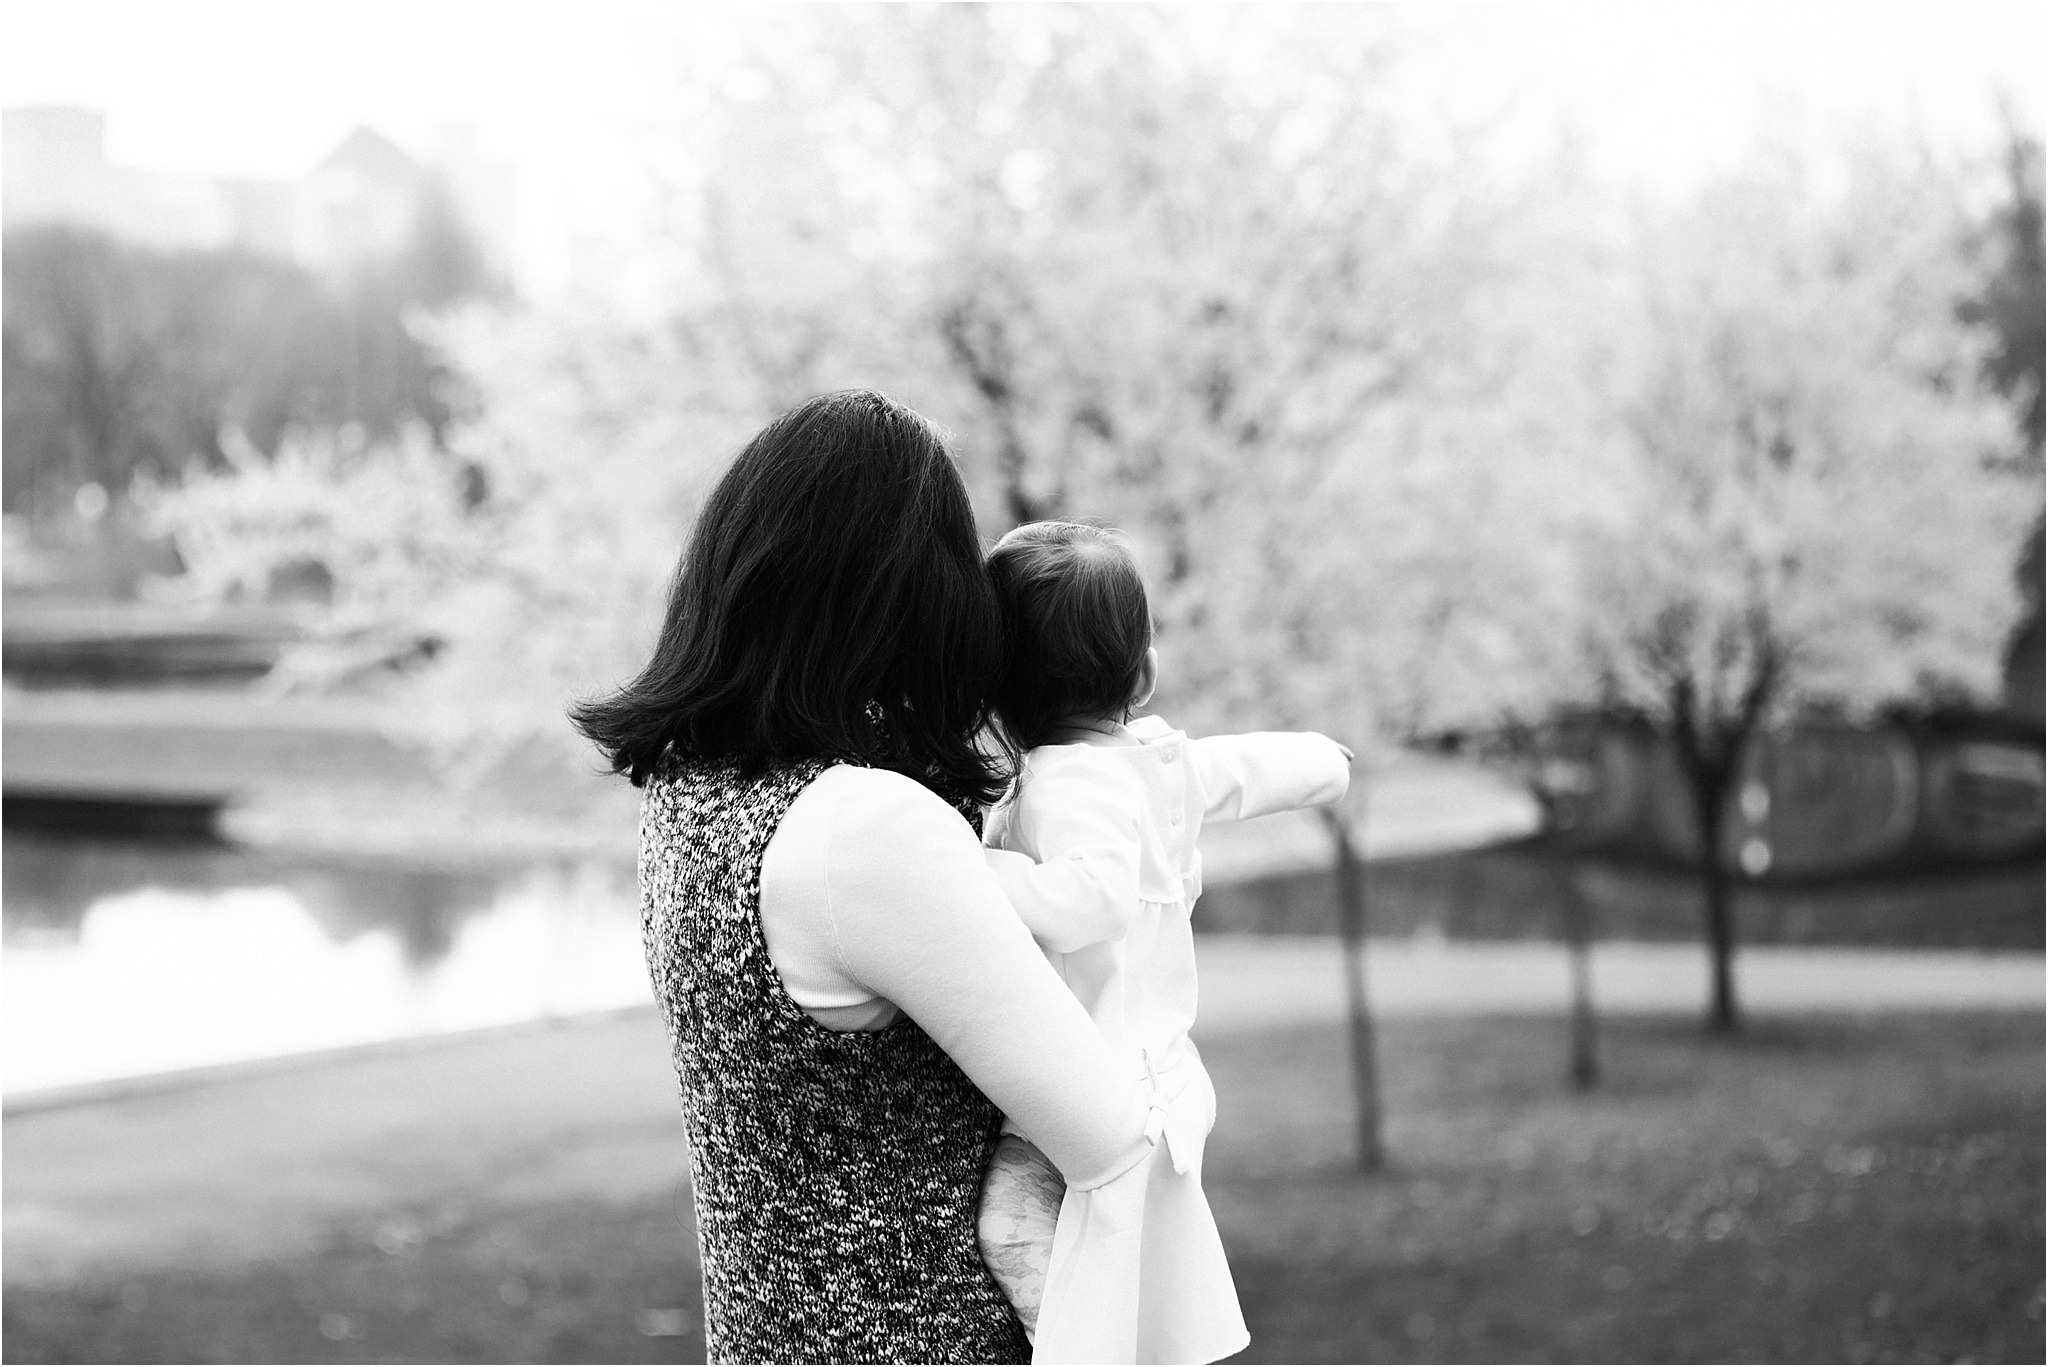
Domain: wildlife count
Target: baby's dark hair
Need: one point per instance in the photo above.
(1078, 623)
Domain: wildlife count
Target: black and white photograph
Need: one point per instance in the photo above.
(960, 682)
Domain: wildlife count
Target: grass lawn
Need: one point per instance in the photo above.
(1826, 1189)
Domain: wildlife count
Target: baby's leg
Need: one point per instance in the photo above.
(1020, 1206)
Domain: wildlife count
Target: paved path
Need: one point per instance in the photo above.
(1249, 982)
(243, 1163)
(256, 1162)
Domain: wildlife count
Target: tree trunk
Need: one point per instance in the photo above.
(1710, 794)
(1351, 910)
(1578, 940)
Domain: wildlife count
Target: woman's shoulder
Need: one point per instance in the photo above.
(834, 801)
(882, 843)
(855, 831)
(881, 803)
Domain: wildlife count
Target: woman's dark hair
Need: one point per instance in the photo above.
(832, 601)
(1079, 625)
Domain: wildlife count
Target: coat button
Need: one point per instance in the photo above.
(1175, 818)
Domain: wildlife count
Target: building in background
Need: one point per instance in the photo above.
(358, 203)
(158, 320)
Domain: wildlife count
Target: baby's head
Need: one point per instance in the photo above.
(1080, 630)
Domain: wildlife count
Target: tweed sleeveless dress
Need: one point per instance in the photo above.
(836, 1174)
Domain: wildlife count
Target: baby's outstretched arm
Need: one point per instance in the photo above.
(1262, 772)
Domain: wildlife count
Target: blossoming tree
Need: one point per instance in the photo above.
(1813, 505)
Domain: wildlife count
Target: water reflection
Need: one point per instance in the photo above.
(124, 960)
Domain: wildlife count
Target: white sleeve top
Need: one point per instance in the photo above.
(1069, 848)
(876, 902)
(1097, 851)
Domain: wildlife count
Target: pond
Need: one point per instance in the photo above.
(125, 959)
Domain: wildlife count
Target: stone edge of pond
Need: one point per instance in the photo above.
(416, 835)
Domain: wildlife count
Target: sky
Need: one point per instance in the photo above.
(264, 89)
(563, 91)
(1665, 90)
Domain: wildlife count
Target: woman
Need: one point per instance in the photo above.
(850, 1001)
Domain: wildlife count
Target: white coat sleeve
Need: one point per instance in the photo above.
(1263, 772)
(918, 918)
(1079, 884)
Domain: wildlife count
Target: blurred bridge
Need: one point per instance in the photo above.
(1816, 801)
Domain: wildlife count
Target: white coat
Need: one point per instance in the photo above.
(1096, 851)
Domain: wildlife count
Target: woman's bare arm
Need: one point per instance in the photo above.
(917, 918)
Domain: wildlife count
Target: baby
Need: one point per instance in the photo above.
(1096, 851)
